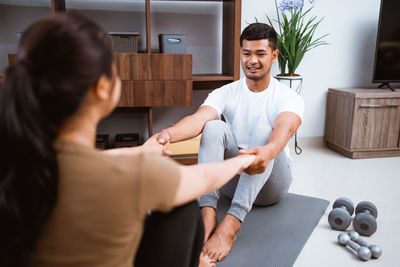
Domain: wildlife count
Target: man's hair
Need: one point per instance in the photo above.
(259, 31)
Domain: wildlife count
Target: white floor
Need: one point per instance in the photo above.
(323, 173)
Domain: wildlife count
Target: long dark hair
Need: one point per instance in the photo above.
(59, 59)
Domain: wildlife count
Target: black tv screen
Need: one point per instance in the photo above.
(387, 54)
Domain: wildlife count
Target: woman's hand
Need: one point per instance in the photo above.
(150, 146)
(263, 156)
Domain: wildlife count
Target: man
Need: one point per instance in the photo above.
(261, 115)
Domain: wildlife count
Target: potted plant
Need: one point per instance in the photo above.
(295, 34)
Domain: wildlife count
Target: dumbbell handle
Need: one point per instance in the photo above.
(353, 245)
(376, 251)
(361, 242)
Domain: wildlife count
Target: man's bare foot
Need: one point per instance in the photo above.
(206, 261)
(210, 221)
(221, 241)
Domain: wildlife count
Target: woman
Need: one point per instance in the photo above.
(62, 202)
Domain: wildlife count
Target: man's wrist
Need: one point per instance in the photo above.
(271, 150)
(169, 134)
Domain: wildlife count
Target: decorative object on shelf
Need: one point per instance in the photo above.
(294, 82)
(126, 140)
(125, 42)
(172, 43)
(295, 34)
(102, 141)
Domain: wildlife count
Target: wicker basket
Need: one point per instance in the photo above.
(125, 42)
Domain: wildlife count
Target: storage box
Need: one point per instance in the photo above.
(126, 140)
(102, 141)
(125, 42)
(172, 43)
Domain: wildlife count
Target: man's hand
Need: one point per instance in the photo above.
(260, 163)
(163, 137)
(154, 145)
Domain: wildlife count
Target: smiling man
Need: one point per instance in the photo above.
(261, 114)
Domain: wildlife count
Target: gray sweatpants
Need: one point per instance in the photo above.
(217, 143)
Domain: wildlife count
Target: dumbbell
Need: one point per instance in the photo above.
(365, 220)
(375, 250)
(340, 217)
(362, 252)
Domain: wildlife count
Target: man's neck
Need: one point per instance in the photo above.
(258, 85)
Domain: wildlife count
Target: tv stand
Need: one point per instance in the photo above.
(363, 122)
(386, 84)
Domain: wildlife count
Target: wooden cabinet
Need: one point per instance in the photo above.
(153, 79)
(363, 123)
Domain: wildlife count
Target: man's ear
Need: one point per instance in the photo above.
(275, 55)
(102, 89)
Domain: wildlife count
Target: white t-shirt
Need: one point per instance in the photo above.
(251, 115)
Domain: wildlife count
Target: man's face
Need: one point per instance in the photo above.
(256, 57)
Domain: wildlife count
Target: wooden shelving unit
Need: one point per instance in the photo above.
(166, 79)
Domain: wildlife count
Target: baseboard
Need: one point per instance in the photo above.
(311, 141)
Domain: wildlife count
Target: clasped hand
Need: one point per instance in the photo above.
(260, 163)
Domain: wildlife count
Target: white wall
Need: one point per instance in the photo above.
(12, 20)
(347, 61)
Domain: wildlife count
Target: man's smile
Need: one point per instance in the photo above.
(253, 68)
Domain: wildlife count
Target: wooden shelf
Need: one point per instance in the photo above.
(211, 77)
(188, 159)
(210, 81)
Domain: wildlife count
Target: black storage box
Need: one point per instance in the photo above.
(126, 140)
(102, 141)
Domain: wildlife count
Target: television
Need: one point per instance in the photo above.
(387, 52)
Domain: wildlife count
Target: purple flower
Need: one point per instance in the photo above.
(289, 5)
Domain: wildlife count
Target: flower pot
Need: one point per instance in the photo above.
(294, 81)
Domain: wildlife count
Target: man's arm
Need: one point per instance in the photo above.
(189, 127)
(285, 125)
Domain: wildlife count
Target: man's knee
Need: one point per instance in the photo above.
(213, 129)
(215, 126)
(277, 185)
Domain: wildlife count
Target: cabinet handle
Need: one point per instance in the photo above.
(379, 105)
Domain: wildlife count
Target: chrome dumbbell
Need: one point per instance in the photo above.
(365, 220)
(340, 217)
(375, 250)
(362, 252)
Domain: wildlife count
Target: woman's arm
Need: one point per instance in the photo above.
(150, 146)
(196, 180)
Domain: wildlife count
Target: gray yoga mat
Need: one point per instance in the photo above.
(275, 235)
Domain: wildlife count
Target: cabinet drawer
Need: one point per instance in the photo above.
(154, 67)
(376, 123)
(155, 93)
